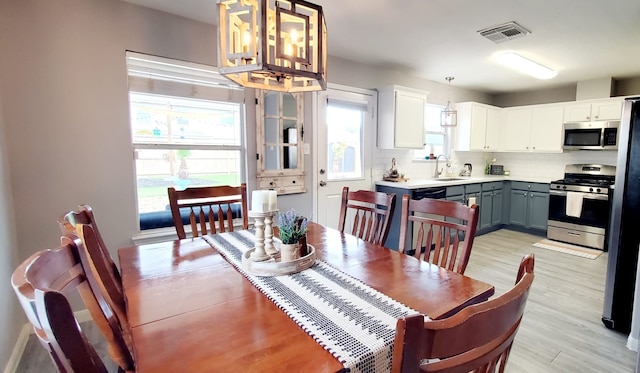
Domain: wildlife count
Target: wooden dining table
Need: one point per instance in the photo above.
(190, 310)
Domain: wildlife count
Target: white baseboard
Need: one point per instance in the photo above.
(632, 343)
(23, 338)
(18, 349)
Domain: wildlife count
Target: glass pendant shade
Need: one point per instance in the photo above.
(273, 45)
(449, 116)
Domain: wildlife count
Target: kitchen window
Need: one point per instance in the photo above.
(187, 130)
(436, 138)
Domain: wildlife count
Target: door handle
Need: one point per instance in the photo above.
(322, 171)
(322, 183)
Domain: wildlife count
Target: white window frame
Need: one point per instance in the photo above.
(167, 77)
(423, 154)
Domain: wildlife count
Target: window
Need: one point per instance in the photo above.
(345, 132)
(187, 130)
(436, 137)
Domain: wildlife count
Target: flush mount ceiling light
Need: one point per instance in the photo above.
(524, 65)
(274, 45)
(449, 116)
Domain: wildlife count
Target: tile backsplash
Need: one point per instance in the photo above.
(538, 165)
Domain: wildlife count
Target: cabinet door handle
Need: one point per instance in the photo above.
(322, 183)
(525, 194)
(597, 117)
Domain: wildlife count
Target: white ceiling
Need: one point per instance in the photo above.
(581, 39)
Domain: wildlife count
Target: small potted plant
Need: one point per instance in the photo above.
(292, 228)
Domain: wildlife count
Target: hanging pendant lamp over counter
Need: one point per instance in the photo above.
(449, 116)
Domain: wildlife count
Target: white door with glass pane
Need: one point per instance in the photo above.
(344, 147)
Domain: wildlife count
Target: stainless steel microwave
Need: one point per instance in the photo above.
(590, 135)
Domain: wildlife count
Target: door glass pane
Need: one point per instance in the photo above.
(289, 105)
(271, 157)
(344, 141)
(271, 103)
(271, 130)
(291, 157)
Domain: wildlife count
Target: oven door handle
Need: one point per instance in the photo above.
(602, 197)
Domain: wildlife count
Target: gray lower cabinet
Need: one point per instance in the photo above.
(518, 210)
(464, 194)
(496, 211)
(538, 210)
(491, 210)
(486, 210)
(456, 193)
(529, 205)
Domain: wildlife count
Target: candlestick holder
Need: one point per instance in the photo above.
(264, 236)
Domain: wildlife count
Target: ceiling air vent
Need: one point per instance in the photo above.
(504, 32)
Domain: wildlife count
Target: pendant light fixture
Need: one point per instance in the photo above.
(449, 116)
(273, 45)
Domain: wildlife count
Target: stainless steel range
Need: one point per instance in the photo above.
(579, 205)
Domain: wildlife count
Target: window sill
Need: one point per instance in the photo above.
(156, 235)
(151, 236)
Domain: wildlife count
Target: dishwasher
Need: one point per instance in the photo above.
(419, 193)
(434, 193)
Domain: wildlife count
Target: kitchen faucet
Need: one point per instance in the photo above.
(437, 173)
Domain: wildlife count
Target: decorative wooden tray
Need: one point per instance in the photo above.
(274, 267)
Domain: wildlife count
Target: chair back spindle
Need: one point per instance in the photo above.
(209, 209)
(443, 231)
(371, 212)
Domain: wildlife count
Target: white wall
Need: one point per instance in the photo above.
(63, 84)
(11, 317)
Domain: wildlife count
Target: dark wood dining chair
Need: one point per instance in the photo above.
(476, 339)
(84, 215)
(82, 223)
(208, 204)
(372, 214)
(444, 231)
(63, 270)
(66, 339)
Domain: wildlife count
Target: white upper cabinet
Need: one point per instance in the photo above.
(478, 127)
(546, 128)
(597, 110)
(518, 129)
(401, 118)
(534, 128)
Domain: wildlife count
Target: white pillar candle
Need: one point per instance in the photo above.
(273, 200)
(265, 201)
(257, 201)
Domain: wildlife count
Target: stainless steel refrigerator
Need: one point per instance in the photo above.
(624, 224)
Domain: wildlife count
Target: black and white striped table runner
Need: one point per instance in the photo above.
(348, 318)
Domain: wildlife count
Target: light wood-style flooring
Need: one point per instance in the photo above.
(561, 330)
